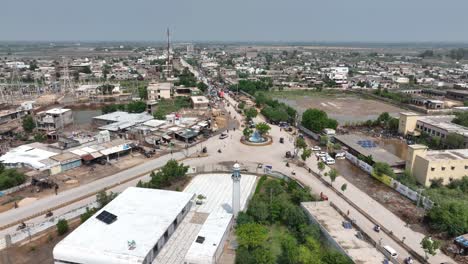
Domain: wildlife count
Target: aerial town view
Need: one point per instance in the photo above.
(242, 132)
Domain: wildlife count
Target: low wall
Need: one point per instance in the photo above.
(392, 183)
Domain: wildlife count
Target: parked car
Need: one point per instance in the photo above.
(340, 155)
(321, 154)
(327, 159)
(392, 252)
(223, 136)
(316, 148)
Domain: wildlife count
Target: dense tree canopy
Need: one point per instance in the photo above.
(316, 120)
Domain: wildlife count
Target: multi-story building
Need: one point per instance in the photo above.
(428, 165)
(436, 126)
(158, 91)
(53, 119)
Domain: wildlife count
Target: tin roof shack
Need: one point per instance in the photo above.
(120, 121)
(54, 119)
(67, 161)
(27, 156)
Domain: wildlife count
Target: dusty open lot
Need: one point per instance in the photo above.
(345, 108)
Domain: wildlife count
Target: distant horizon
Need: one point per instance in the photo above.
(270, 21)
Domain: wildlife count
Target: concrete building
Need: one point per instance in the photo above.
(344, 240)
(54, 119)
(131, 229)
(157, 91)
(427, 165)
(460, 95)
(438, 126)
(200, 102)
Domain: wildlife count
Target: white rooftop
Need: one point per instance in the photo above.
(445, 122)
(213, 230)
(217, 188)
(57, 111)
(27, 155)
(143, 215)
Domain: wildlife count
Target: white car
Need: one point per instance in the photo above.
(316, 148)
(321, 154)
(328, 160)
(340, 155)
(391, 251)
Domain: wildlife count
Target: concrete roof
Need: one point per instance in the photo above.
(143, 215)
(359, 250)
(445, 122)
(213, 230)
(214, 213)
(57, 111)
(452, 154)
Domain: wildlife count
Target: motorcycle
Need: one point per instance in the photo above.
(377, 228)
(49, 214)
(408, 260)
(21, 226)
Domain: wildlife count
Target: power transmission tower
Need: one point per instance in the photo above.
(67, 84)
(168, 71)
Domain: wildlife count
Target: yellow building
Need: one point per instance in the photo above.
(427, 165)
(407, 123)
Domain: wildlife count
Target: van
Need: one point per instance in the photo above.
(391, 252)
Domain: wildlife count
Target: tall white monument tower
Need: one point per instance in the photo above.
(236, 176)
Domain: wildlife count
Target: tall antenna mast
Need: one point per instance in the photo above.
(169, 60)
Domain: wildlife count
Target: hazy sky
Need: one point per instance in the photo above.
(235, 20)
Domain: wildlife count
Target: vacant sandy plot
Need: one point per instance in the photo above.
(344, 108)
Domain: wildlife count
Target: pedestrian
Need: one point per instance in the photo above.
(347, 213)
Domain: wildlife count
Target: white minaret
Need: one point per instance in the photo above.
(236, 176)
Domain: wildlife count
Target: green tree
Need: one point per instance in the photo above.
(323, 141)
(62, 227)
(136, 107)
(333, 174)
(251, 235)
(247, 132)
(316, 120)
(430, 246)
(343, 187)
(28, 124)
(250, 113)
(382, 168)
(321, 166)
(86, 215)
(103, 198)
(306, 153)
(202, 86)
(454, 141)
(171, 172)
(263, 128)
(10, 178)
(300, 143)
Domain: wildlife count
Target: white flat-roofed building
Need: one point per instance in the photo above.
(140, 222)
(212, 220)
(207, 247)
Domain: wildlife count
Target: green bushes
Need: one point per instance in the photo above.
(132, 107)
(275, 229)
(167, 106)
(169, 173)
(62, 227)
(450, 213)
(10, 178)
(274, 110)
(316, 120)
